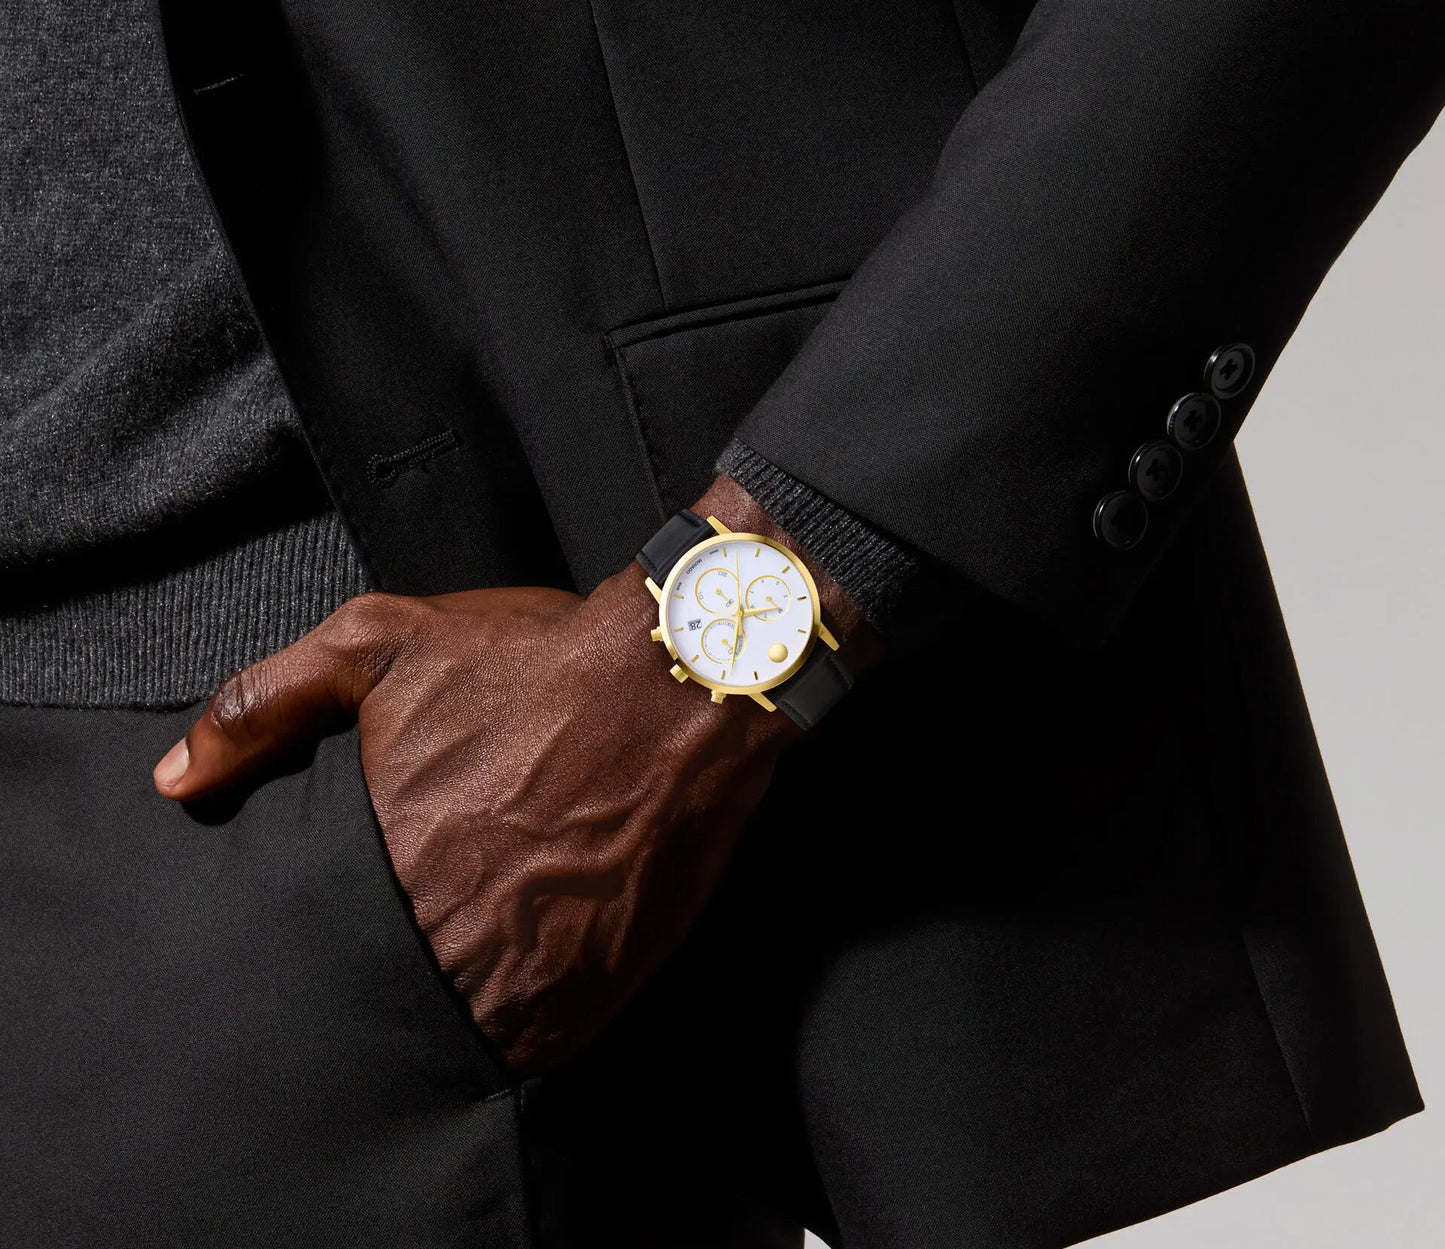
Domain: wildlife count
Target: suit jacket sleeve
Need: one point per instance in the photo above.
(1143, 181)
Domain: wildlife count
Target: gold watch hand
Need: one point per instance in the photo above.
(758, 611)
(738, 633)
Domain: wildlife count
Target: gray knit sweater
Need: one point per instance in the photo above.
(161, 520)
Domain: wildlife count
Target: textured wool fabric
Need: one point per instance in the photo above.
(161, 521)
(871, 568)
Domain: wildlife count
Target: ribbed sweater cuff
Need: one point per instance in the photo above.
(168, 642)
(871, 568)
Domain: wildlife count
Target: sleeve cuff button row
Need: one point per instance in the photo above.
(1121, 517)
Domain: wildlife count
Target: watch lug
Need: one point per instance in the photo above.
(827, 636)
(655, 590)
(677, 672)
(764, 702)
(718, 525)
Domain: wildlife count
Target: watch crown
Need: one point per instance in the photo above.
(719, 695)
(677, 672)
(657, 634)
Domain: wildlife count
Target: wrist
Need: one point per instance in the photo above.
(622, 615)
(860, 643)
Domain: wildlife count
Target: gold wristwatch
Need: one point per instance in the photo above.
(739, 614)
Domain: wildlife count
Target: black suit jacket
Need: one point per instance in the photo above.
(1085, 944)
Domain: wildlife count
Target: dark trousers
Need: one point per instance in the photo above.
(219, 1026)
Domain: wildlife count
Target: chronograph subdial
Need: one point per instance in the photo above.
(720, 641)
(717, 590)
(768, 597)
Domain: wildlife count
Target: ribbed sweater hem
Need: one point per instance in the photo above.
(168, 642)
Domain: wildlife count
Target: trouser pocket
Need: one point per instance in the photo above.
(220, 1025)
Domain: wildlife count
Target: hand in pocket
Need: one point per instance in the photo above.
(556, 806)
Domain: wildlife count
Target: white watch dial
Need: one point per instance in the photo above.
(739, 613)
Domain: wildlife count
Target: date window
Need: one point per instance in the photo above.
(694, 625)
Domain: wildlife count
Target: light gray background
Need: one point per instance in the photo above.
(1344, 453)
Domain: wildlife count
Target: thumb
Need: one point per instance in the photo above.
(287, 700)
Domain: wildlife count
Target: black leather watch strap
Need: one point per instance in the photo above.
(815, 689)
(670, 543)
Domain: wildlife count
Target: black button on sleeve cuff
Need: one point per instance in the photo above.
(1193, 421)
(1155, 470)
(1120, 519)
(1229, 370)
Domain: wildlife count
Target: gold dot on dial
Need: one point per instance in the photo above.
(777, 652)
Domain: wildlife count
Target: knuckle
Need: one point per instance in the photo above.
(237, 703)
(372, 612)
(365, 622)
(365, 632)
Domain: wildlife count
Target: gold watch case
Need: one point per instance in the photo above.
(722, 535)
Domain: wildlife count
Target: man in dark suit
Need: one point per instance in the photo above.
(946, 316)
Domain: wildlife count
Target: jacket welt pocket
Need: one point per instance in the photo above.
(690, 378)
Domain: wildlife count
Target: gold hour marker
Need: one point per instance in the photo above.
(802, 630)
(757, 550)
(789, 568)
(802, 598)
(725, 552)
(677, 596)
(693, 660)
(755, 676)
